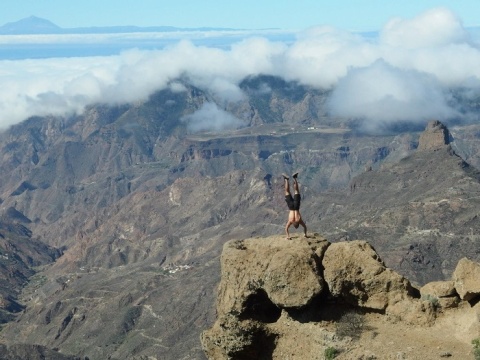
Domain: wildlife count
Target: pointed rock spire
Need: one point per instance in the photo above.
(435, 136)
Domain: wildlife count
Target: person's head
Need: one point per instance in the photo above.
(296, 224)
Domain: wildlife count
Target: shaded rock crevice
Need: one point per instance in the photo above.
(259, 307)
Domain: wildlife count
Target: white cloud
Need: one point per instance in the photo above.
(404, 75)
(435, 27)
(383, 93)
(321, 56)
(177, 87)
(210, 118)
(167, 36)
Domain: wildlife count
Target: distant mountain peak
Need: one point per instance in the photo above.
(30, 25)
(35, 25)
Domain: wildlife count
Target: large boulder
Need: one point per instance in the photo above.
(441, 293)
(287, 272)
(438, 289)
(467, 279)
(355, 273)
(412, 312)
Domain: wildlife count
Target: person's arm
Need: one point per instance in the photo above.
(286, 229)
(304, 228)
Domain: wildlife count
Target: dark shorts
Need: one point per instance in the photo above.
(293, 203)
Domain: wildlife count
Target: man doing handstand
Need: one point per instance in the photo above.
(293, 203)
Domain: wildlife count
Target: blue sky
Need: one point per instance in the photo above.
(352, 15)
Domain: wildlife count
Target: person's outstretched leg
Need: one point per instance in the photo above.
(295, 185)
(296, 197)
(287, 184)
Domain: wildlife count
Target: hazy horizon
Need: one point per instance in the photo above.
(351, 15)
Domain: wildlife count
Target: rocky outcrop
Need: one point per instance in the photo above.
(277, 298)
(442, 291)
(435, 136)
(260, 277)
(467, 279)
(288, 274)
(438, 289)
(355, 273)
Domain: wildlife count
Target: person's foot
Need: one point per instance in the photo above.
(285, 176)
(295, 175)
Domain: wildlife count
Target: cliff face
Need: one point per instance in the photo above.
(281, 299)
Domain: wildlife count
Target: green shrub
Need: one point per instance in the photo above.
(330, 353)
(476, 348)
(432, 299)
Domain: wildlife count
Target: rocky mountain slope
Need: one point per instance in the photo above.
(19, 255)
(302, 299)
(140, 207)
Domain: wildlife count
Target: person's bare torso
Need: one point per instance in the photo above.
(294, 216)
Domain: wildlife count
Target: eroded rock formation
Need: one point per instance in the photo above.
(279, 299)
(435, 136)
(355, 273)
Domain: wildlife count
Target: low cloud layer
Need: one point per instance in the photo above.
(210, 118)
(383, 94)
(405, 74)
